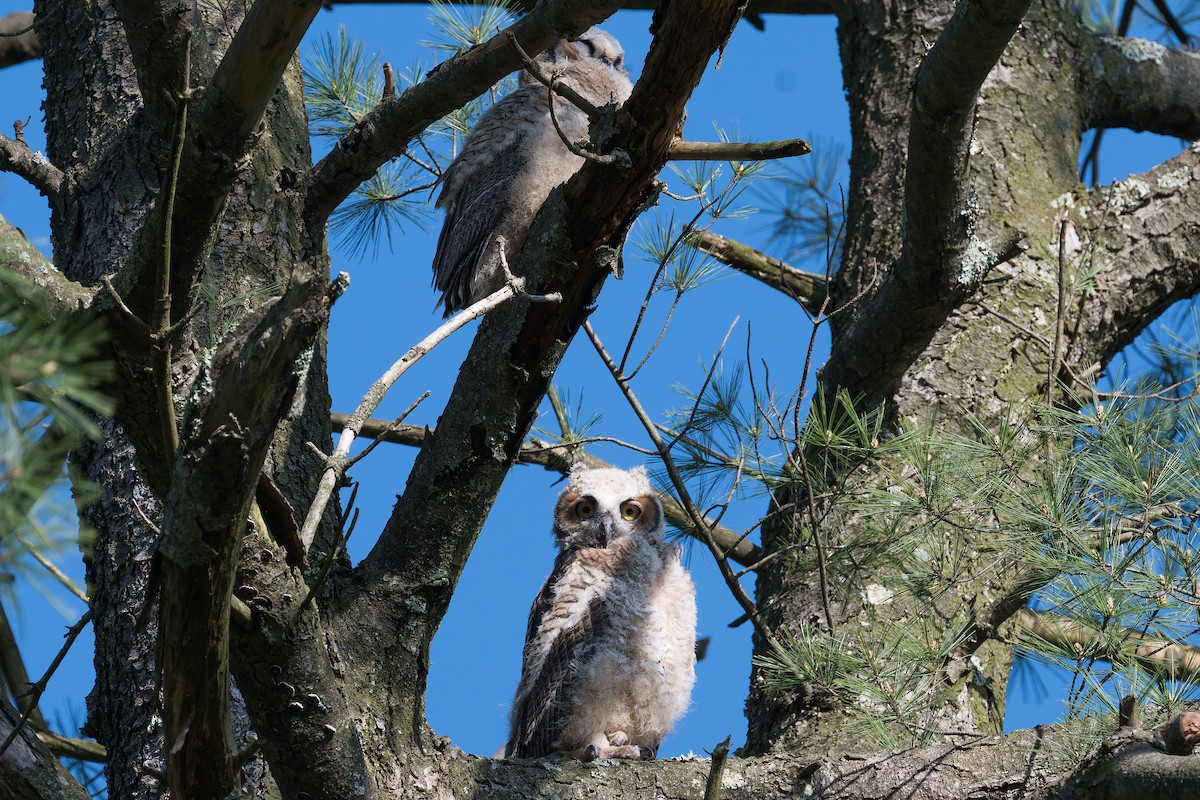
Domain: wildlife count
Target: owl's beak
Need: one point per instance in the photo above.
(606, 525)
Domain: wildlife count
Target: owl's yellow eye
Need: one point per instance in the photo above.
(630, 511)
(585, 508)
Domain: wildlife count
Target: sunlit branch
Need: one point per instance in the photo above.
(806, 288)
(338, 461)
(17, 158)
(1174, 660)
(66, 747)
(737, 151)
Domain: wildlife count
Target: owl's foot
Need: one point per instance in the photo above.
(618, 738)
(632, 752)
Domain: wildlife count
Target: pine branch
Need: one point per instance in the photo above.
(1174, 661)
(1142, 85)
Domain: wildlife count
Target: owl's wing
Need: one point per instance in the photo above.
(471, 222)
(541, 707)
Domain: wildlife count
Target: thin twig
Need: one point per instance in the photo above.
(1060, 321)
(50, 567)
(391, 427)
(561, 89)
(160, 325)
(697, 519)
(586, 150)
(39, 688)
(336, 464)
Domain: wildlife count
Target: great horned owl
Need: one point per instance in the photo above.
(610, 646)
(512, 160)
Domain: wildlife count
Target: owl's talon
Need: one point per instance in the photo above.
(618, 738)
(590, 753)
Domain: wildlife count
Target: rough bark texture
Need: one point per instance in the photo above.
(333, 689)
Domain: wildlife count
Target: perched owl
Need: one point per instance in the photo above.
(610, 647)
(512, 160)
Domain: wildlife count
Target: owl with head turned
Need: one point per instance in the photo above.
(512, 160)
(609, 658)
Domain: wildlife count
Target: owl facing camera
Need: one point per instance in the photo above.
(609, 659)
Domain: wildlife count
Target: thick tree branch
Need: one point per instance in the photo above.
(1173, 660)
(1028, 764)
(17, 158)
(157, 32)
(28, 770)
(806, 288)
(221, 454)
(1142, 86)
(18, 40)
(56, 294)
(223, 126)
(559, 459)
(1144, 242)
(248, 75)
(384, 133)
(737, 151)
(943, 260)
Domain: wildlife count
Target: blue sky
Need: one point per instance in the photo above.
(783, 83)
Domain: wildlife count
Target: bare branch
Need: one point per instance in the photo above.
(1142, 86)
(18, 40)
(338, 460)
(806, 288)
(66, 747)
(737, 151)
(17, 158)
